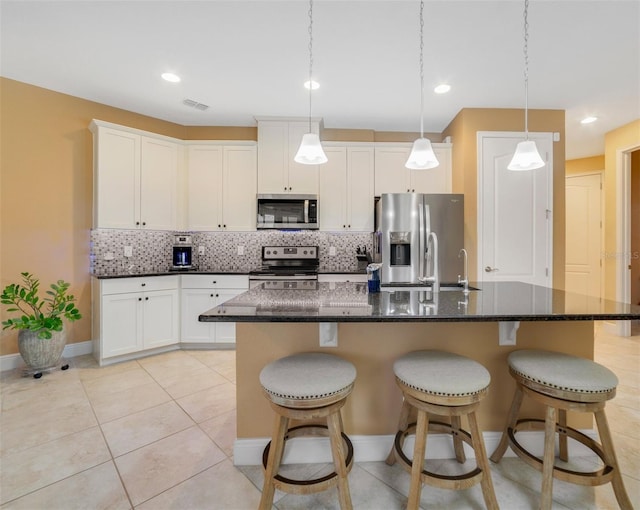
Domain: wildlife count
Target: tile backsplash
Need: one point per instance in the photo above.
(152, 249)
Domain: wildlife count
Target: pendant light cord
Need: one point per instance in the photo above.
(310, 57)
(526, 70)
(421, 69)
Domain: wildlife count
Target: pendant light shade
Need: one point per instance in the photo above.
(526, 156)
(422, 156)
(310, 151)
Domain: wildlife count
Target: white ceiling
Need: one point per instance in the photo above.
(250, 58)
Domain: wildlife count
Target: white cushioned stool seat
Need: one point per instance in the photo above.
(308, 375)
(441, 373)
(562, 371)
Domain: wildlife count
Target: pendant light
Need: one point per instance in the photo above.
(310, 151)
(422, 156)
(526, 156)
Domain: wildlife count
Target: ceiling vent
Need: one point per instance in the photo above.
(195, 104)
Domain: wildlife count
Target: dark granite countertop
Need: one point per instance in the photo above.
(351, 302)
(197, 271)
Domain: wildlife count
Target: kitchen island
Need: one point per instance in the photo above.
(373, 329)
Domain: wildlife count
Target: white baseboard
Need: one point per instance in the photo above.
(301, 450)
(13, 361)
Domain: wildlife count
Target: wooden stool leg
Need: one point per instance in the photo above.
(548, 458)
(562, 421)
(458, 445)
(610, 459)
(415, 487)
(483, 463)
(511, 422)
(337, 449)
(273, 463)
(402, 425)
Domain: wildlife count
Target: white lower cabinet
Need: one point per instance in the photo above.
(201, 293)
(135, 314)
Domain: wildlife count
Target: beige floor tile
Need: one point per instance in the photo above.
(153, 469)
(24, 428)
(42, 465)
(227, 370)
(214, 357)
(180, 383)
(96, 488)
(169, 360)
(122, 403)
(145, 427)
(221, 486)
(222, 429)
(42, 394)
(104, 387)
(88, 368)
(209, 403)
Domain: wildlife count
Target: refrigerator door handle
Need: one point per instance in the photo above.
(423, 246)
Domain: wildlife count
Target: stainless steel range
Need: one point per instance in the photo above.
(287, 267)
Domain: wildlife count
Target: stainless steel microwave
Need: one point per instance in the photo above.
(287, 211)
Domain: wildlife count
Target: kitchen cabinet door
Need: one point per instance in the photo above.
(160, 326)
(239, 188)
(360, 182)
(159, 184)
(194, 302)
(333, 190)
(204, 187)
(391, 176)
(121, 320)
(116, 178)
(346, 189)
(226, 331)
(278, 142)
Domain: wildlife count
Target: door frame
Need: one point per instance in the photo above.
(602, 212)
(623, 231)
(517, 135)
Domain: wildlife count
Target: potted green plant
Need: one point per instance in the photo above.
(41, 335)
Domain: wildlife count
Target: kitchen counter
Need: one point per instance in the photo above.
(197, 271)
(350, 302)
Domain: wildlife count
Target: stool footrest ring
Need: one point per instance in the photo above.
(292, 486)
(455, 482)
(590, 478)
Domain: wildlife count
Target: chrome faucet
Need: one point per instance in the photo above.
(432, 247)
(464, 281)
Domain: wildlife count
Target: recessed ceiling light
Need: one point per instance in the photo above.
(443, 88)
(314, 85)
(173, 78)
(588, 120)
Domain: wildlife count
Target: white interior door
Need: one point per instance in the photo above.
(583, 235)
(514, 211)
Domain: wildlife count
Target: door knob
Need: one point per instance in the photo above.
(490, 269)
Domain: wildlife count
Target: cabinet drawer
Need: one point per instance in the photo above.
(138, 284)
(215, 281)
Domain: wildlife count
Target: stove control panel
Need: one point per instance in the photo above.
(289, 252)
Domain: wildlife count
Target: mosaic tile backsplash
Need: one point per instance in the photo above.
(152, 250)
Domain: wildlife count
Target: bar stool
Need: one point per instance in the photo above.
(442, 384)
(307, 386)
(562, 383)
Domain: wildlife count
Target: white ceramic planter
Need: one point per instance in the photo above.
(41, 353)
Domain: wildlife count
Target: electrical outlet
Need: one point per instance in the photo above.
(240, 250)
(108, 256)
(200, 250)
(128, 251)
(332, 251)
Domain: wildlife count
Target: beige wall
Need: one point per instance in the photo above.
(625, 138)
(463, 131)
(635, 227)
(584, 165)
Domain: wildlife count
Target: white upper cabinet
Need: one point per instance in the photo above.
(393, 177)
(221, 187)
(278, 142)
(346, 188)
(135, 179)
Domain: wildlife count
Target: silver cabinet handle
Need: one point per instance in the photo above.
(490, 269)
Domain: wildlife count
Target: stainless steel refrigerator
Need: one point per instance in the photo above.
(404, 223)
